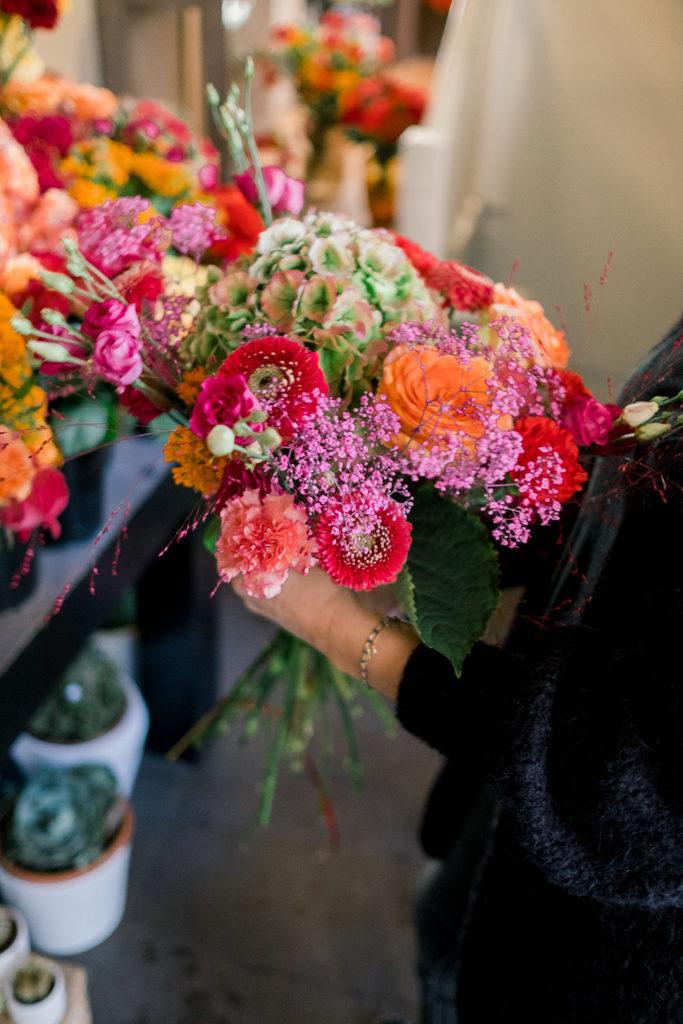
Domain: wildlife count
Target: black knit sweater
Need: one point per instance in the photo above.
(573, 738)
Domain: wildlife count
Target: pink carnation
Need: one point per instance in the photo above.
(48, 498)
(263, 539)
(589, 421)
(221, 400)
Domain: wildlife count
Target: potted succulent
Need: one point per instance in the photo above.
(83, 428)
(14, 941)
(37, 993)
(96, 714)
(64, 855)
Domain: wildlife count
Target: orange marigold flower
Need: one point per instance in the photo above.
(196, 467)
(16, 468)
(161, 176)
(188, 389)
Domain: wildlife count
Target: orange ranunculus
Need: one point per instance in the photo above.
(434, 393)
(551, 344)
(16, 468)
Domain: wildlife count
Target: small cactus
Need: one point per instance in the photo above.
(88, 701)
(8, 929)
(33, 982)
(60, 820)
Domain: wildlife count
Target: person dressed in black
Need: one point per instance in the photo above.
(559, 818)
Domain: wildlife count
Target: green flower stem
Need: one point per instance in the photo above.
(266, 209)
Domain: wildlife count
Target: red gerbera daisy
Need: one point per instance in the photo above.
(284, 377)
(543, 438)
(463, 287)
(363, 542)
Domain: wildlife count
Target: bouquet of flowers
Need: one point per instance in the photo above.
(339, 398)
(326, 60)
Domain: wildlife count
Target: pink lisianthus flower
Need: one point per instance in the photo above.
(111, 315)
(285, 194)
(263, 539)
(222, 400)
(48, 498)
(116, 356)
(589, 421)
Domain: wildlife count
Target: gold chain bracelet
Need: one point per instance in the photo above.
(369, 646)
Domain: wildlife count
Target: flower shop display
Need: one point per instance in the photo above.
(378, 110)
(36, 994)
(14, 941)
(96, 715)
(326, 60)
(64, 855)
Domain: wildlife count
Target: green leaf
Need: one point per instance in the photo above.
(453, 570)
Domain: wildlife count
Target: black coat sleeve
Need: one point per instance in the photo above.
(581, 727)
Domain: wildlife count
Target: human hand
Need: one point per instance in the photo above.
(337, 622)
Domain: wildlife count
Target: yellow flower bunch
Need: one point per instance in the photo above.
(101, 168)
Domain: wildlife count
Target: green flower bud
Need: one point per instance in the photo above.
(269, 438)
(22, 326)
(221, 440)
(57, 282)
(638, 413)
(53, 317)
(651, 431)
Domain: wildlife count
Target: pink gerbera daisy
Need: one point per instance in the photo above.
(284, 377)
(363, 541)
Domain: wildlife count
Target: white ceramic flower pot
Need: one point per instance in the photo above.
(14, 956)
(50, 1010)
(120, 748)
(72, 911)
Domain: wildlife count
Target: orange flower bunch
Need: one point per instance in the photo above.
(51, 94)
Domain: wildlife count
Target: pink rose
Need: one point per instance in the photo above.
(285, 194)
(116, 356)
(111, 315)
(263, 539)
(589, 421)
(221, 400)
(48, 498)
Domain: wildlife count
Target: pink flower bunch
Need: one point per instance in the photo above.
(589, 421)
(263, 539)
(111, 236)
(115, 330)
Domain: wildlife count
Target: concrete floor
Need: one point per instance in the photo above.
(228, 926)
